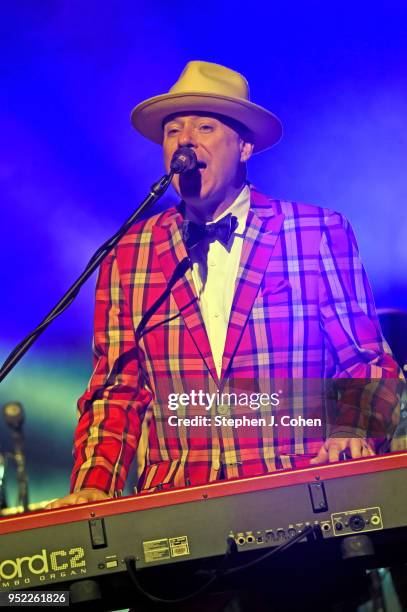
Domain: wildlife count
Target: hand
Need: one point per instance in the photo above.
(331, 449)
(80, 497)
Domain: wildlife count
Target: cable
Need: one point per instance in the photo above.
(157, 190)
(131, 568)
(307, 531)
(130, 563)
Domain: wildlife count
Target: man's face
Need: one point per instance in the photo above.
(220, 151)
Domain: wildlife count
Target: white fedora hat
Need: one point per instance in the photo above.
(207, 87)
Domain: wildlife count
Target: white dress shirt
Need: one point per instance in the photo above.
(214, 272)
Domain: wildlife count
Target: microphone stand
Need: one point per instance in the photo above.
(14, 416)
(3, 501)
(22, 480)
(157, 190)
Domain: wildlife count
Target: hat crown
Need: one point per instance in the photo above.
(206, 77)
(205, 87)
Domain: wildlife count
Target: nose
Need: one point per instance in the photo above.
(186, 137)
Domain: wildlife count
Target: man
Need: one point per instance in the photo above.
(273, 294)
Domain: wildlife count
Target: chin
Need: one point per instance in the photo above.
(200, 197)
(190, 186)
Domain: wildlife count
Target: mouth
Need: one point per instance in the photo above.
(196, 171)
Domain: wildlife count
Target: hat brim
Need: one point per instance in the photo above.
(148, 116)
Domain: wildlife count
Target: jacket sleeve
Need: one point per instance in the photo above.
(113, 406)
(365, 379)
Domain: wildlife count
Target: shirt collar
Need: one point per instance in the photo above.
(239, 208)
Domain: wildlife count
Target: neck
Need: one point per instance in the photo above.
(203, 211)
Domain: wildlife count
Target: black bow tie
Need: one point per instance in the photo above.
(192, 233)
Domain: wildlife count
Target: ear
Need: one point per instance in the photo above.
(246, 150)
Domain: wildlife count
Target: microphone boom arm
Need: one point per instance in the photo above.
(157, 190)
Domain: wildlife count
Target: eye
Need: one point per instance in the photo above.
(171, 131)
(206, 127)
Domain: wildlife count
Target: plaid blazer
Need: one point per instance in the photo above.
(302, 314)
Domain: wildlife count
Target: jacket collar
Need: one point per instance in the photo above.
(263, 225)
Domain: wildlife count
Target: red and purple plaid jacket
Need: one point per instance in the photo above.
(302, 311)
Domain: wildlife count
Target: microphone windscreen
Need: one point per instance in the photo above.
(184, 159)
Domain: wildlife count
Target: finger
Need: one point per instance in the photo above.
(356, 448)
(334, 448)
(367, 450)
(371, 446)
(322, 456)
(56, 504)
(81, 499)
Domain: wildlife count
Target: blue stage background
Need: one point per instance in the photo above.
(72, 168)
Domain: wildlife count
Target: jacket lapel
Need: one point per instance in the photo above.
(172, 255)
(262, 230)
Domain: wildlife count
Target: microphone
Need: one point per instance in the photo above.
(183, 160)
(14, 416)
